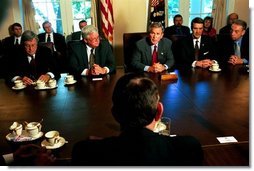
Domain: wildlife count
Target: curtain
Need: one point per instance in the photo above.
(93, 13)
(29, 13)
(219, 13)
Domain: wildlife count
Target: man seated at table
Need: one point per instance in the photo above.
(236, 50)
(196, 50)
(136, 107)
(153, 53)
(92, 56)
(31, 62)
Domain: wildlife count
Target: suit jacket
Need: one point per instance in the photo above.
(60, 46)
(79, 59)
(226, 49)
(18, 64)
(184, 51)
(142, 55)
(8, 44)
(76, 35)
(138, 147)
(172, 31)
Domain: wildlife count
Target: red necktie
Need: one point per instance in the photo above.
(154, 55)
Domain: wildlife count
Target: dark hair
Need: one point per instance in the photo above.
(15, 25)
(177, 15)
(241, 23)
(135, 99)
(82, 21)
(211, 20)
(197, 20)
(44, 23)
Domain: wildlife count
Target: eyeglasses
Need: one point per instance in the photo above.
(94, 39)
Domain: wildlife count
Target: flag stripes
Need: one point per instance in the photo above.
(107, 20)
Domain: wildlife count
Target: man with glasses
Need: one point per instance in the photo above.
(91, 56)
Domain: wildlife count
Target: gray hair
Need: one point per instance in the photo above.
(29, 35)
(240, 23)
(87, 30)
(155, 25)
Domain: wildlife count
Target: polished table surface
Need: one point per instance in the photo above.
(200, 103)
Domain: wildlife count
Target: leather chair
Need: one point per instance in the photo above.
(129, 40)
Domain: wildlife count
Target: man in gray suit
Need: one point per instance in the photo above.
(153, 53)
(92, 56)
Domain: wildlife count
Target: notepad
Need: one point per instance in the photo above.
(227, 139)
(96, 79)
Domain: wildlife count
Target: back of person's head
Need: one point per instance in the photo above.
(197, 20)
(87, 30)
(155, 25)
(28, 35)
(135, 99)
(240, 23)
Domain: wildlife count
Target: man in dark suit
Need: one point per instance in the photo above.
(137, 109)
(59, 44)
(236, 50)
(78, 34)
(15, 38)
(153, 53)
(195, 50)
(92, 55)
(178, 30)
(31, 62)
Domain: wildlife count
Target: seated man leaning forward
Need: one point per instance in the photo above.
(92, 55)
(137, 108)
(31, 62)
(153, 53)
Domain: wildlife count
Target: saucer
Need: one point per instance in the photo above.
(20, 88)
(61, 142)
(73, 82)
(210, 69)
(44, 88)
(23, 137)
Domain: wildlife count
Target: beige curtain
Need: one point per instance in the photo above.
(94, 17)
(29, 13)
(219, 14)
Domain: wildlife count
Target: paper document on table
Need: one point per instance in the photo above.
(228, 139)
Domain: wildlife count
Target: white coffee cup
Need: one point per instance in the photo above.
(33, 128)
(215, 66)
(16, 129)
(69, 78)
(18, 83)
(52, 137)
(52, 83)
(40, 84)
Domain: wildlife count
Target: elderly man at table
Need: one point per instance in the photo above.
(91, 56)
(31, 62)
(196, 50)
(136, 107)
(153, 53)
(236, 50)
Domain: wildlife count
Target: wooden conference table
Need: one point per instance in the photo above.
(200, 103)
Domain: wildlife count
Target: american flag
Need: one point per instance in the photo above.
(154, 3)
(107, 20)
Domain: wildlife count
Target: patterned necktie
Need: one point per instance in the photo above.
(154, 55)
(91, 59)
(237, 49)
(196, 50)
(48, 38)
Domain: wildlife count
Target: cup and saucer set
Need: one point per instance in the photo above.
(40, 85)
(215, 67)
(32, 131)
(53, 140)
(69, 80)
(19, 85)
